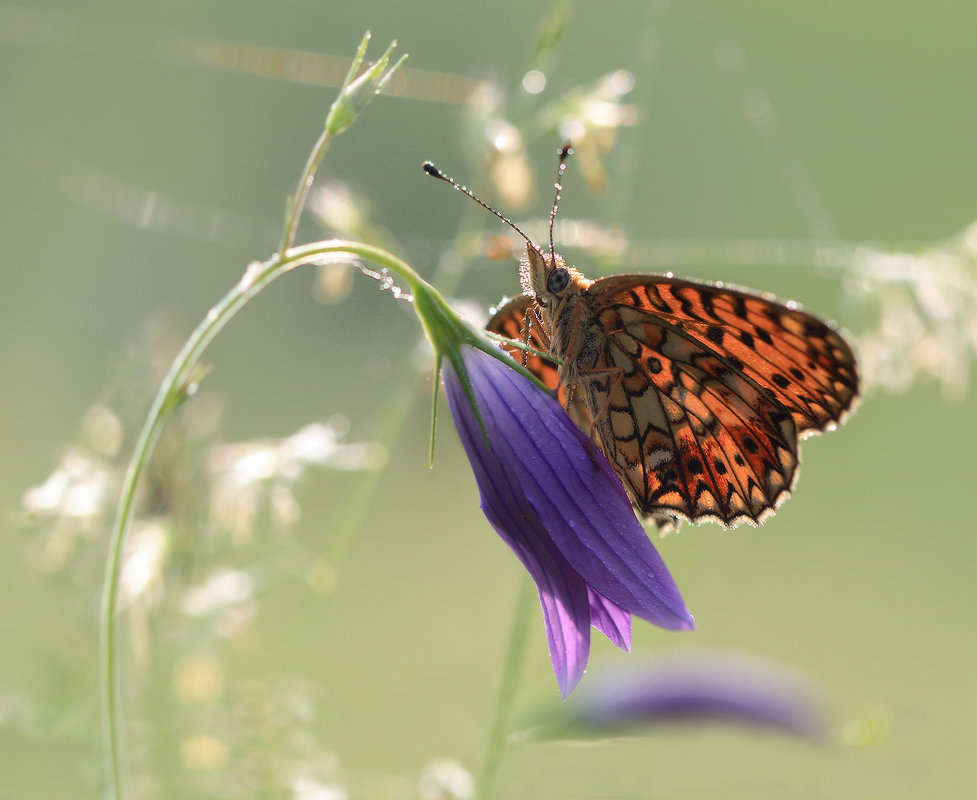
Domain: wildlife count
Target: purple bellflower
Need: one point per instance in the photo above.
(701, 686)
(555, 500)
(549, 493)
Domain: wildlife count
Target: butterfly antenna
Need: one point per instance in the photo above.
(565, 152)
(434, 172)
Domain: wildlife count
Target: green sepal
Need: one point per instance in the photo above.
(448, 332)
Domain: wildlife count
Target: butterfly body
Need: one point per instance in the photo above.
(697, 394)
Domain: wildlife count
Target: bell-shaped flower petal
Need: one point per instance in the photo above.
(554, 499)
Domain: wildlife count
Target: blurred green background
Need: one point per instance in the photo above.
(771, 144)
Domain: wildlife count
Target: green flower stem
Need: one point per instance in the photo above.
(297, 201)
(180, 382)
(514, 660)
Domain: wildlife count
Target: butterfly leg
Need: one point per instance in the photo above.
(531, 321)
(527, 322)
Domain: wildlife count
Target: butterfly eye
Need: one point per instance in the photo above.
(558, 280)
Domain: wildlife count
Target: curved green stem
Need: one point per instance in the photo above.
(356, 92)
(178, 383)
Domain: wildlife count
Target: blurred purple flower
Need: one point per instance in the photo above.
(701, 686)
(554, 499)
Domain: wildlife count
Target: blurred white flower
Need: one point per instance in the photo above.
(920, 313)
(248, 476)
(79, 489)
(228, 597)
(222, 588)
(144, 562)
(307, 787)
(445, 779)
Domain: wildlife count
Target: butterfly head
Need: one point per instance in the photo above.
(548, 277)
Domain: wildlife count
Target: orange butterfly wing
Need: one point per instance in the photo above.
(701, 392)
(803, 361)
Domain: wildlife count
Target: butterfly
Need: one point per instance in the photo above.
(698, 394)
